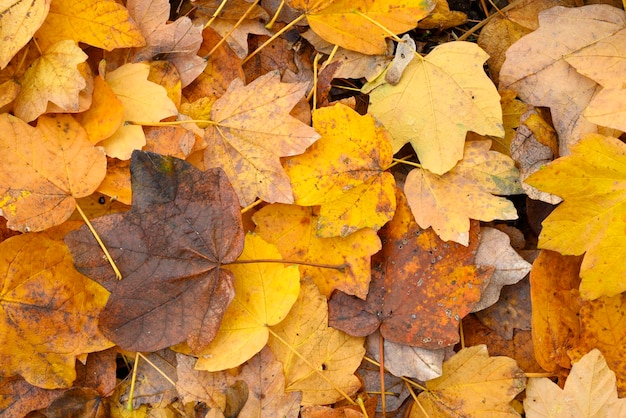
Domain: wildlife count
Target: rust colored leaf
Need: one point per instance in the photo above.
(18, 397)
(183, 225)
(421, 286)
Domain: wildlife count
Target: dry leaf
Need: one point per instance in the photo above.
(438, 100)
(19, 20)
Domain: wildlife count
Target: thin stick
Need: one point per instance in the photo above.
(372, 21)
(118, 275)
(461, 334)
(250, 206)
(308, 363)
(133, 379)
(230, 32)
(339, 267)
(484, 22)
(406, 380)
(276, 35)
(381, 369)
(417, 402)
(217, 12)
(401, 161)
(155, 367)
(278, 10)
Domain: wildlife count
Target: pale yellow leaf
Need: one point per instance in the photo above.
(19, 20)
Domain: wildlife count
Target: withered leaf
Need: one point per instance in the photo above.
(183, 225)
(421, 286)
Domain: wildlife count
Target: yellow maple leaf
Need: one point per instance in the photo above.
(292, 229)
(472, 384)
(143, 101)
(327, 357)
(592, 218)
(358, 25)
(439, 99)
(53, 77)
(44, 169)
(102, 23)
(589, 391)
(264, 294)
(343, 172)
(448, 202)
(105, 115)
(252, 129)
(19, 20)
(49, 311)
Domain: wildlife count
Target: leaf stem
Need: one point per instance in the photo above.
(118, 274)
(230, 32)
(275, 17)
(217, 12)
(172, 122)
(252, 205)
(312, 367)
(133, 379)
(381, 370)
(276, 35)
(372, 21)
(403, 161)
(485, 21)
(155, 367)
(340, 267)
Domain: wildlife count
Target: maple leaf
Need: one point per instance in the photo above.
(592, 183)
(49, 312)
(439, 99)
(421, 286)
(292, 229)
(200, 385)
(589, 392)
(179, 40)
(183, 225)
(264, 294)
(105, 115)
(252, 129)
(536, 65)
(143, 101)
(360, 25)
(343, 172)
(19, 20)
(447, 202)
(323, 351)
(53, 77)
(103, 23)
(472, 384)
(266, 382)
(44, 169)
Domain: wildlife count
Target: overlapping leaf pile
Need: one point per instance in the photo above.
(270, 246)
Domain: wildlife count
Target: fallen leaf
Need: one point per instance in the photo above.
(105, 115)
(448, 202)
(173, 286)
(44, 169)
(555, 317)
(370, 373)
(327, 358)
(358, 25)
(174, 141)
(472, 384)
(18, 397)
(589, 392)
(179, 41)
(536, 67)
(53, 77)
(200, 385)
(421, 287)
(266, 382)
(104, 24)
(143, 101)
(80, 401)
(603, 326)
(153, 380)
(293, 230)
(343, 171)
(19, 20)
(442, 18)
(592, 218)
(495, 250)
(438, 100)
(247, 143)
(404, 360)
(264, 294)
(49, 312)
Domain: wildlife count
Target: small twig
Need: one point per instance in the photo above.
(230, 32)
(133, 379)
(340, 267)
(484, 22)
(276, 35)
(118, 274)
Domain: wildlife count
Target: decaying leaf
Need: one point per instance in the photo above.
(19, 20)
(49, 314)
(183, 225)
(472, 384)
(591, 220)
(44, 169)
(421, 286)
(447, 202)
(247, 143)
(322, 351)
(343, 171)
(438, 100)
